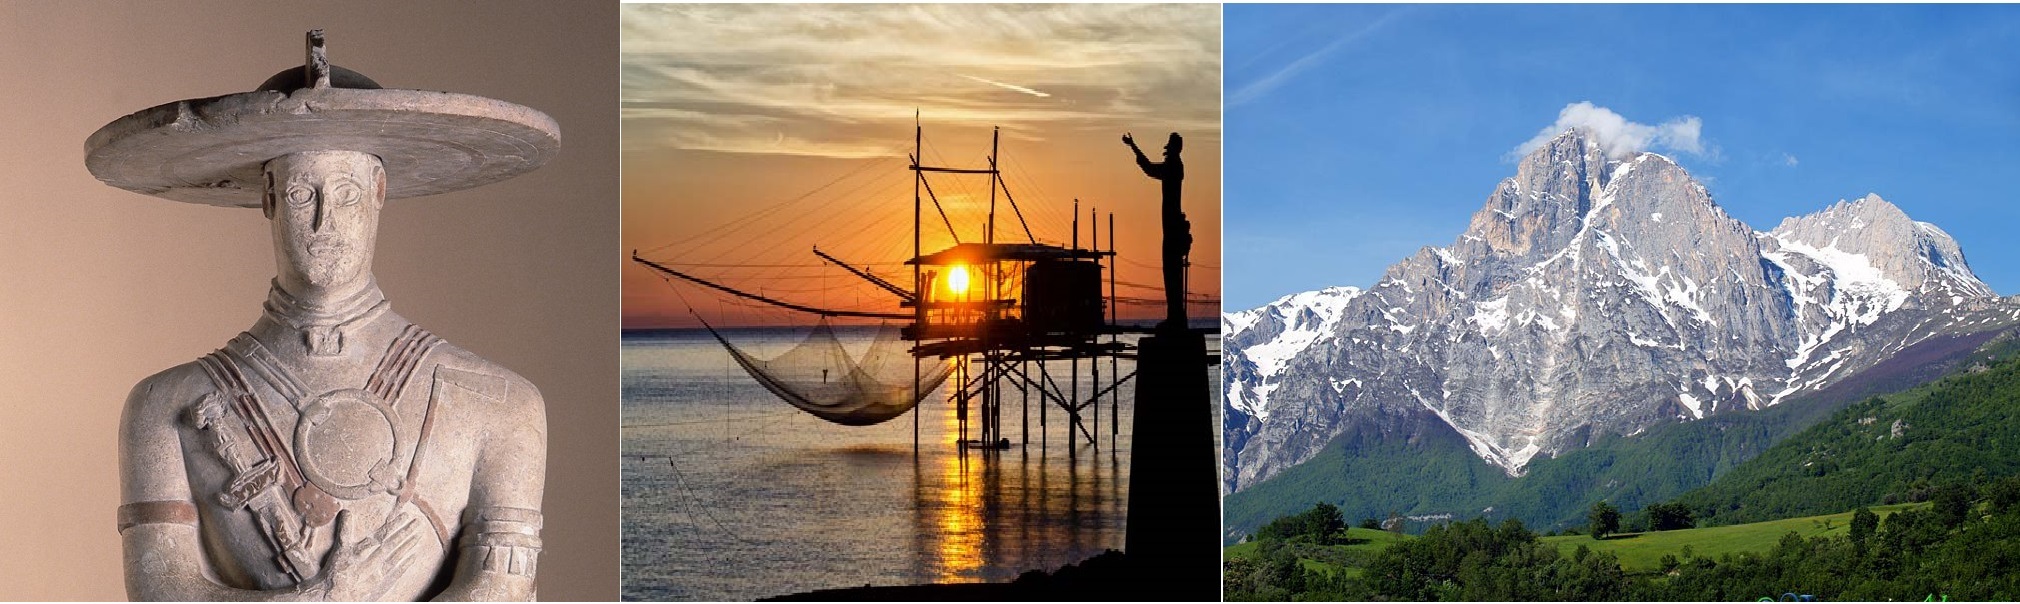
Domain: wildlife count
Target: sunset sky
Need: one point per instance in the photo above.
(753, 134)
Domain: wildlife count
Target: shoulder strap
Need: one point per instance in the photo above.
(241, 402)
(246, 351)
(404, 356)
(264, 486)
(387, 382)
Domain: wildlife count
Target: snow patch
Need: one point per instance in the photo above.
(1446, 256)
(1511, 462)
(1491, 316)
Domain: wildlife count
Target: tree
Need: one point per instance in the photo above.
(1237, 578)
(1371, 523)
(1952, 504)
(2005, 493)
(1324, 523)
(1864, 522)
(1605, 520)
(1280, 569)
(1669, 517)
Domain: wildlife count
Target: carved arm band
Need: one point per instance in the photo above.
(156, 512)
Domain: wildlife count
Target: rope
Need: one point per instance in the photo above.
(687, 502)
(738, 224)
(749, 417)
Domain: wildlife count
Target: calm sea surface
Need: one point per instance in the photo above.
(731, 494)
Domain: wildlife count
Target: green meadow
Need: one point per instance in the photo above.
(1644, 551)
(1638, 552)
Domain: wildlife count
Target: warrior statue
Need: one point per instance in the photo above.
(334, 450)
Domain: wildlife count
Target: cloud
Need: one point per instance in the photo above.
(845, 80)
(1264, 85)
(1004, 86)
(1620, 137)
(1789, 160)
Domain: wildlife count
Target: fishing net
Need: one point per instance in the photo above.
(820, 377)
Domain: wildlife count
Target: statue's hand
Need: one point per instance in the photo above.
(364, 570)
(1128, 140)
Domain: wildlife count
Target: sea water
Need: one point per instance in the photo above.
(731, 494)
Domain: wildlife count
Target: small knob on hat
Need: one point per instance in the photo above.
(319, 61)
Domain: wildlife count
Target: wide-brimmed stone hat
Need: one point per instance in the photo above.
(213, 150)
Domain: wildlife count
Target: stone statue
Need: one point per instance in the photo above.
(334, 450)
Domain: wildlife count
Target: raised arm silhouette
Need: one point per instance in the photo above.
(1177, 230)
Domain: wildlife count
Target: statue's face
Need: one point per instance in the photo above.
(324, 206)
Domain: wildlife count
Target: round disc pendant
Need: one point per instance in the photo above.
(345, 443)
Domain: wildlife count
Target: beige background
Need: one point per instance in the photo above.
(100, 287)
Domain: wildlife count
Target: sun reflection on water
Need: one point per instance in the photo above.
(953, 503)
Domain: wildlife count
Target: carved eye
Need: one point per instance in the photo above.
(301, 194)
(344, 193)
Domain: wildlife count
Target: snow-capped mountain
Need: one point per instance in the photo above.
(1591, 296)
(1284, 329)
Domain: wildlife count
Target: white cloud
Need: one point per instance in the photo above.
(1013, 87)
(1620, 137)
(840, 80)
(1264, 85)
(1790, 160)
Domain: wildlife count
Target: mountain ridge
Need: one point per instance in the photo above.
(1590, 297)
(1424, 469)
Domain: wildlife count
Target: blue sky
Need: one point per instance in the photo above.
(1357, 134)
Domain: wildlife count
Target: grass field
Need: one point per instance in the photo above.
(1637, 551)
(1644, 551)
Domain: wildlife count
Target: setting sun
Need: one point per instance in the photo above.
(957, 279)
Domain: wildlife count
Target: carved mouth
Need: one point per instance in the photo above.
(326, 247)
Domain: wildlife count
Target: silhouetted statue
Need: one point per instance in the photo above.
(1177, 230)
(1174, 492)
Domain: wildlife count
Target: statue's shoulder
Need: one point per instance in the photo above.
(474, 388)
(158, 405)
(462, 369)
(172, 387)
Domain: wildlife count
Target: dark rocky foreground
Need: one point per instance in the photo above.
(1111, 576)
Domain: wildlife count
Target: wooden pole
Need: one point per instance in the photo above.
(1114, 368)
(918, 290)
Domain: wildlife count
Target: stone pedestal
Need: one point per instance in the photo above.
(1173, 536)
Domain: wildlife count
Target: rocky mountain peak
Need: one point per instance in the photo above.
(1870, 234)
(1542, 206)
(1867, 217)
(1590, 296)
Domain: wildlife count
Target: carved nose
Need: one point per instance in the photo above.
(316, 222)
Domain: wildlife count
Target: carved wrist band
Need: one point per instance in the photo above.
(507, 539)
